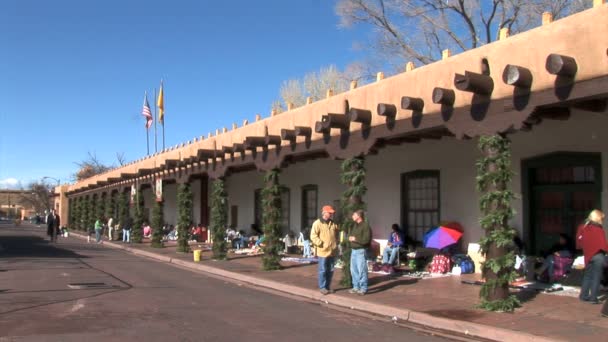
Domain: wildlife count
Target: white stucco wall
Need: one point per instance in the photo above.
(455, 159)
(323, 173)
(170, 203)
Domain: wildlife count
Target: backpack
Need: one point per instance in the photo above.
(467, 265)
(440, 264)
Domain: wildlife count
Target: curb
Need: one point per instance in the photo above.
(405, 315)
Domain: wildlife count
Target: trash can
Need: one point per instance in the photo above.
(197, 255)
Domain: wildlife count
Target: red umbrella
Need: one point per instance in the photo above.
(441, 237)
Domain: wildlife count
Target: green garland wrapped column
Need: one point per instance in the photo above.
(493, 177)
(123, 209)
(271, 218)
(184, 218)
(158, 222)
(219, 219)
(353, 176)
(138, 218)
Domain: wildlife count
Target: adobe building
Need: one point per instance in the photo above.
(545, 89)
(16, 204)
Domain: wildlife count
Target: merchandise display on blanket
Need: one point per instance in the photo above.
(313, 260)
(440, 264)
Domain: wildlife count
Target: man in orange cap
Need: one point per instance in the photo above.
(324, 236)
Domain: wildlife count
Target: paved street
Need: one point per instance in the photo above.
(133, 298)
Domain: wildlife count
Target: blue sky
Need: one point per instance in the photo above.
(73, 72)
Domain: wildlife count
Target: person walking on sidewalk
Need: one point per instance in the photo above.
(126, 229)
(591, 238)
(324, 237)
(98, 230)
(360, 238)
(110, 225)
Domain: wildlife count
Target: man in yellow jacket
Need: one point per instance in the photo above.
(324, 236)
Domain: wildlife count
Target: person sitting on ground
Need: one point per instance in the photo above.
(147, 230)
(172, 235)
(305, 238)
(259, 244)
(562, 249)
(395, 242)
(196, 233)
(289, 241)
(240, 241)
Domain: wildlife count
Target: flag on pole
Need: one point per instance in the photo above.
(160, 103)
(147, 113)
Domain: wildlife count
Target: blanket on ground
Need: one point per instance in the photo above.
(301, 260)
(523, 284)
(425, 275)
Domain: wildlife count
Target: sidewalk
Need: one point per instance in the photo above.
(441, 303)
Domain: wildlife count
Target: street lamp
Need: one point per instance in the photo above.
(55, 179)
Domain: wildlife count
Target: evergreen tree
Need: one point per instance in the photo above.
(75, 214)
(100, 208)
(271, 218)
(353, 176)
(123, 209)
(157, 225)
(184, 218)
(89, 213)
(138, 218)
(110, 207)
(493, 176)
(219, 219)
(71, 207)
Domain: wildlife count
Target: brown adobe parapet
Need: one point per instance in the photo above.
(496, 88)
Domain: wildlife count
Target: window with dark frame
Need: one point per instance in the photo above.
(420, 201)
(309, 205)
(234, 216)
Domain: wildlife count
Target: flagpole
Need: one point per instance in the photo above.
(161, 85)
(147, 140)
(155, 118)
(146, 126)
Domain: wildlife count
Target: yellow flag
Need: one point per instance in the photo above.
(160, 103)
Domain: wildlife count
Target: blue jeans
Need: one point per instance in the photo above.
(392, 251)
(326, 271)
(97, 235)
(358, 269)
(307, 251)
(592, 278)
(126, 235)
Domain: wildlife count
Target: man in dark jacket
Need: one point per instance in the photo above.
(360, 238)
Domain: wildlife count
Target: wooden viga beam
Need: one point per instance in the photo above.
(332, 120)
(517, 76)
(474, 83)
(561, 65)
(298, 131)
(362, 116)
(205, 154)
(443, 96)
(272, 140)
(251, 143)
(170, 163)
(412, 103)
(113, 179)
(240, 148)
(128, 175)
(387, 110)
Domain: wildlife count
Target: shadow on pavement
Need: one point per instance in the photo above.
(33, 246)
